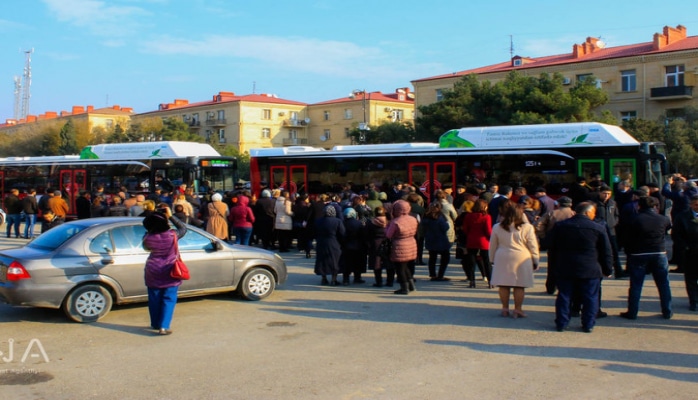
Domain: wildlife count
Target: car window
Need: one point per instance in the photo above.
(102, 243)
(194, 241)
(56, 236)
(128, 239)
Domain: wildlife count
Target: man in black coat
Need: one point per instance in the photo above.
(647, 254)
(686, 229)
(580, 254)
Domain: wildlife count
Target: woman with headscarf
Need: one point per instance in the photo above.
(283, 224)
(376, 235)
(401, 231)
(353, 260)
(435, 228)
(329, 230)
(242, 219)
(263, 225)
(217, 223)
(160, 241)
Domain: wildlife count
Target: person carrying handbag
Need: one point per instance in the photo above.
(162, 288)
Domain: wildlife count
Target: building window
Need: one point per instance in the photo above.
(266, 133)
(439, 94)
(347, 132)
(221, 114)
(266, 113)
(327, 134)
(674, 75)
(583, 77)
(326, 115)
(397, 115)
(109, 123)
(194, 118)
(628, 81)
(293, 134)
(628, 115)
(221, 136)
(294, 115)
(208, 135)
(348, 113)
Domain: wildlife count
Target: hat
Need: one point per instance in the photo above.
(349, 213)
(540, 189)
(216, 197)
(564, 201)
(156, 223)
(480, 186)
(382, 196)
(266, 193)
(330, 211)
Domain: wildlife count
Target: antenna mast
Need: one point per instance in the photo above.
(511, 46)
(23, 87)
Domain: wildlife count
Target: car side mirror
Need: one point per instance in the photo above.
(218, 246)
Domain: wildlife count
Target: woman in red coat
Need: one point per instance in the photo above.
(401, 231)
(477, 228)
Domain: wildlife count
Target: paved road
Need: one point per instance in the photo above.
(314, 342)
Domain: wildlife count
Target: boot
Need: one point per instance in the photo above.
(403, 289)
(411, 286)
(379, 278)
(390, 277)
(357, 278)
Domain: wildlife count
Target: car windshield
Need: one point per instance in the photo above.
(56, 236)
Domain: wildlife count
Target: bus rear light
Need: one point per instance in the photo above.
(16, 272)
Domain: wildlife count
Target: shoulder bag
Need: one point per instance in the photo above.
(179, 269)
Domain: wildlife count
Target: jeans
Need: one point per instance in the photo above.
(13, 220)
(638, 267)
(242, 235)
(161, 305)
(588, 289)
(29, 226)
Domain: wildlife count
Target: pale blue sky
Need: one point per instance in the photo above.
(140, 53)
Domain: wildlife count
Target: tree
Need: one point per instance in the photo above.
(391, 132)
(516, 100)
(68, 139)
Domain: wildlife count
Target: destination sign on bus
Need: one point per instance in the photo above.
(217, 163)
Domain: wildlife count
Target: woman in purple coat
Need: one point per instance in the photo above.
(162, 289)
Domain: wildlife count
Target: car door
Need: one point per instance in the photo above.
(119, 256)
(208, 266)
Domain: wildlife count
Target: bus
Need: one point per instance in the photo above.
(138, 167)
(530, 156)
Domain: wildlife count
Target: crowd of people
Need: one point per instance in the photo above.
(500, 229)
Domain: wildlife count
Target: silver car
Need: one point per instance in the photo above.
(85, 266)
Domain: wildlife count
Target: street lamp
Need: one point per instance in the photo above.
(363, 126)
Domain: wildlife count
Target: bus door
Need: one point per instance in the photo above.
(72, 182)
(623, 169)
(428, 177)
(293, 178)
(589, 167)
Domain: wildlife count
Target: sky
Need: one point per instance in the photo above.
(141, 53)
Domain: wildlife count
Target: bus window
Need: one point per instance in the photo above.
(624, 170)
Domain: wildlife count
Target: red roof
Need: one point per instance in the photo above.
(225, 97)
(647, 48)
(377, 96)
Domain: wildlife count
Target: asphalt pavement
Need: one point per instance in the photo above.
(444, 341)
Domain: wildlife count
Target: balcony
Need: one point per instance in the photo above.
(216, 122)
(671, 93)
(194, 125)
(295, 142)
(295, 123)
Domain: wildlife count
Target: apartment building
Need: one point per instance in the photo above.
(243, 121)
(106, 118)
(643, 80)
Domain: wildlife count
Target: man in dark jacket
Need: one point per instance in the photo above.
(13, 208)
(581, 255)
(30, 209)
(647, 254)
(607, 210)
(686, 229)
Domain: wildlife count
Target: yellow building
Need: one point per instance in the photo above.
(643, 80)
(245, 122)
(263, 120)
(332, 121)
(92, 118)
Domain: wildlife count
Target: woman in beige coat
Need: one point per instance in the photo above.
(217, 223)
(283, 223)
(514, 257)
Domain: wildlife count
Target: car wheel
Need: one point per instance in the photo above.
(87, 303)
(257, 284)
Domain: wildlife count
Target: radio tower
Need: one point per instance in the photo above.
(27, 83)
(18, 96)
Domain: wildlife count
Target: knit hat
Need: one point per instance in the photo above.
(349, 213)
(156, 223)
(564, 201)
(216, 197)
(330, 211)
